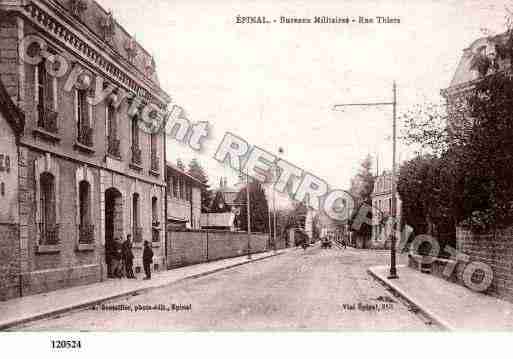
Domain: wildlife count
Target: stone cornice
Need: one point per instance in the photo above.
(93, 49)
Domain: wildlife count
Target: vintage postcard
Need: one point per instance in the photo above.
(270, 166)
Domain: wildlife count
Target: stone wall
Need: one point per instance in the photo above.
(66, 266)
(9, 263)
(191, 247)
(496, 250)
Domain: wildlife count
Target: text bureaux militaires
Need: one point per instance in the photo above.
(318, 20)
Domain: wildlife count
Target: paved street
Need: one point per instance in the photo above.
(313, 290)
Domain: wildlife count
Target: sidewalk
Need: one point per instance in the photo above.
(20, 310)
(452, 306)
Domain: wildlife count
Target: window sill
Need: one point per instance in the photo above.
(114, 157)
(155, 244)
(53, 137)
(81, 147)
(85, 247)
(135, 166)
(155, 173)
(48, 248)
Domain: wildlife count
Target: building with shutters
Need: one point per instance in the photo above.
(183, 199)
(90, 172)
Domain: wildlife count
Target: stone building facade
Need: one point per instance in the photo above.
(183, 199)
(382, 208)
(11, 127)
(88, 172)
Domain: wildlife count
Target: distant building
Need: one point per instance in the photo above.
(382, 205)
(183, 198)
(467, 75)
(225, 199)
(220, 221)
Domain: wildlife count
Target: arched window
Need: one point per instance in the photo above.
(47, 225)
(84, 190)
(112, 131)
(154, 210)
(137, 231)
(85, 225)
(155, 231)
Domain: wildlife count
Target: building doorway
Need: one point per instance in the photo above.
(113, 214)
(113, 223)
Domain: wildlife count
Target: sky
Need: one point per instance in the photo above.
(275, 84)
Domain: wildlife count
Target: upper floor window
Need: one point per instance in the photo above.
(45, 98)
(153, 153)
(182, 188)
(135, 132)
(188, 192)
(112, 131)
(83, 116)
(175, 187)
(136, 150)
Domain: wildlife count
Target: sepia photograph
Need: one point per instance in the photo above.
(255, 167)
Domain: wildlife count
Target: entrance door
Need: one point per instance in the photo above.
(113, 215)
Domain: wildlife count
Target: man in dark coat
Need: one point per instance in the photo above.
(147, 259)
(128, 257)
(117, 270)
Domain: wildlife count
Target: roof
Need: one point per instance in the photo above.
(230, 197)
(181, 172)
(465, 72)
(11, 112)
(217, 219)
(92, 16)
(230, 193)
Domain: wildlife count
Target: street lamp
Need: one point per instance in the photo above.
(393, 268)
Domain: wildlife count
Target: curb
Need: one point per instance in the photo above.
(69, 308)
(411, 300)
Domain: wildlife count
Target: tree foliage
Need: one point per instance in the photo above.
(197, 171)
(466, 179)
(361, 189)
(362, 184)
(485, 160)
(258, 208)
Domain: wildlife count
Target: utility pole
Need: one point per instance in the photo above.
(248, 216)
(275, 178)
(393, 267)
(274, 219)
(269, 237)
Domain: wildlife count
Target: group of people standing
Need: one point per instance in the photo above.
(120, 258)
